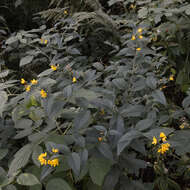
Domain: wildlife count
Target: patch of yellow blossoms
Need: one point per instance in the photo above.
(164, 147)
(43, 161)
(53, 67)
(22, 81)
(33, 81)
(28, 87)
(74, 79)
(43, 93)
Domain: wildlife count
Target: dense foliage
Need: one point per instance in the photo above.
(94, 95)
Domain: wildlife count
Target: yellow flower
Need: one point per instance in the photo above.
(163, 148)
(182, 126)
(171, 77)
(43, 94)
(133, 37)
(163, 87)
(54, 162)
(34, 81)
(43, 161)
(102, 112)
(22, 81)
(100, 139)
(43, 41)
(138, 49)
(139, 30)
(28, 87)
(163, 137)
(132, 6)
(154, 141)
(41, 158)
(74, 79)
(140, 37)
(65, 12)
(55, 150)
(53, 67)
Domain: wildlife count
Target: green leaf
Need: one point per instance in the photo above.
(74, 163)
(144, 124)
(186, 102)
(151, 82)
(3, 153)
(98, 168)
(24, 133)
(105, 149)
(133, 111)
(111, 179)
(36, 152)
(143, 12)
(57, 184)
(159, 97)
(26, 60)
(180, 141)
(3, 100)
(126, 139)
(21, 158)
(82, 120)
(27, 179)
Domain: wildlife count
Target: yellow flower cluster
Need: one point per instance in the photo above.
(22, 81)
(55, 150)
(54, 162)
(163, 137)
(43, 161)
(171, 78)
(28, 87)
(43, 93)
(33, 81)
(100, 139)
(74, 79)
(164, 146)
(65, 12)
(43, 41)
(53, 67)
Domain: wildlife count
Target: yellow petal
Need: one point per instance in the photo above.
(74, 79)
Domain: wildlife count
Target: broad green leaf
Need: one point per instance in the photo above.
(3, 153)
(144, 124)
(98, 168)
(159, 97)
(133, 111)
(36, 152)
(3, 100)
(23, 123)
(105, 149)
(151, 82)
(143, 12)
(57, 184)
(180, 141)
(126, 139)
(24, 133)
(111, 179)
(74, 162)
(27, 179)
(21, 158)
(26, 60)
(82, 120)
(186, 102)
